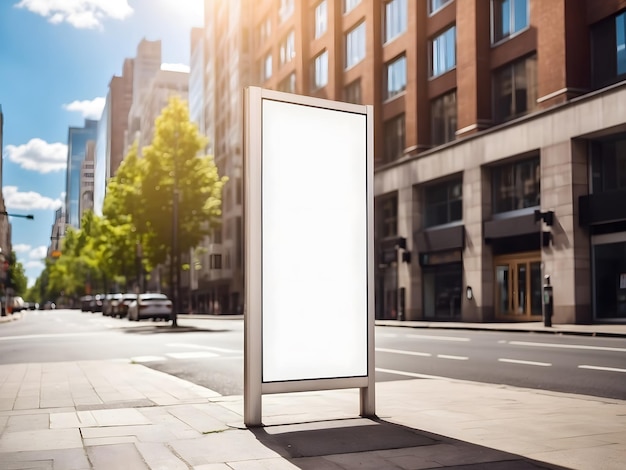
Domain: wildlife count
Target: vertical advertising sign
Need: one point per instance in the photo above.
(309, 316)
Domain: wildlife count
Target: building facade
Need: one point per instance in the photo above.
(500, 142)
(76, 150)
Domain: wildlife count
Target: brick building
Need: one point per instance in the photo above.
(500, 143)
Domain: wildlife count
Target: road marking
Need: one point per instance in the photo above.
(208, 348)
(191, 355)
(455, 358)
(399, 351)
(609, 369)
(47, 335)
(439, 338)
(528, 363)
(148, 359)
(567, 346)
(410, 374)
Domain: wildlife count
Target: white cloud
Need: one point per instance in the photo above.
(89, 109)
(28, 200)
(82, 14)
(175, 67)
(37, 254)
(21, 248)
(39, 155)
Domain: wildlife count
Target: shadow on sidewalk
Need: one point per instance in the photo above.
(345, 441)
(167, 328)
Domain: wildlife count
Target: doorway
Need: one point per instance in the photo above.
(518, 284)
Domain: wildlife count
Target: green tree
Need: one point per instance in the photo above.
(19, 281)
(180, 190)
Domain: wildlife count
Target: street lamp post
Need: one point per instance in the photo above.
(5, 275)
(25, 216)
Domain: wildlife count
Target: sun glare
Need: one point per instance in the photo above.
(187, 11)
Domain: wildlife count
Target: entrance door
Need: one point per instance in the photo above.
(518, 285)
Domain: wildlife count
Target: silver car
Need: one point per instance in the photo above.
(150, 305)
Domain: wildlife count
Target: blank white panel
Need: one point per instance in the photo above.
(314, 242)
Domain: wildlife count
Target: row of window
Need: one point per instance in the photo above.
(509, 17)
(515, 186)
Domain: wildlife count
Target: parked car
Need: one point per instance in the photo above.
(150, 305)
(121, 309)
(85, 303)
(18, 304)
(96, 303)
(109, 304)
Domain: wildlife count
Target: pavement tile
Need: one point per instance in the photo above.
(159, 457)
(66, 459)
(28, 422)
(107, 441)
(143, 433)
(197, 419)
(123, 456)
(118, 417)
(228, 446)
(598, 458)
(316, 463)
(48, 439)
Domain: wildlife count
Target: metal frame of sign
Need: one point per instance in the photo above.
(308, 164)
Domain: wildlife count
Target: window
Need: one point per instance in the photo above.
(387, 216)
(443, 203)
(396, 77)
(515, 89)
(443, 119)
(215, 261)
(395, 19)
(443, 52)
(516, 186)
(321, 18)
(608, 164)
(320, 70)
(286, 9)
(435, 5)
(608, 46)
(267, 67)
(288, 84)
(509, 17)
(348, 5)
(288, 48)
(352, 92)
(394, 139)
(355, 45)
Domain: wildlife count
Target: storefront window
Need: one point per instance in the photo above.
(610, 280)
(442, 291)
(609, 164)
(516, 186)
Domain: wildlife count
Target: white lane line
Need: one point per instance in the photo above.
(609, 369)
(567, 346)
(148, 359)
(408, 374)
(455, 358)
(48, 335)
(400, 351)
(199, 346)
(528, 363)
(191, 355)
(439, 338)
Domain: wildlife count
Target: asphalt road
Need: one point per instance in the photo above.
(209, 352)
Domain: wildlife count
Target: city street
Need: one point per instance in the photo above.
(209, 352)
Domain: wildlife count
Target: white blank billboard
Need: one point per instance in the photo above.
(314, 242)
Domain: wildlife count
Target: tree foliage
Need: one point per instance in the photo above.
(140, 211)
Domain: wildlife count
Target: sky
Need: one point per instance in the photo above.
(57, 58)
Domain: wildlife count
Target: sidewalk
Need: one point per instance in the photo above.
(115, 414)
